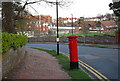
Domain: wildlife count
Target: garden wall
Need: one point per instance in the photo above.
(11, 58)
(96, 39)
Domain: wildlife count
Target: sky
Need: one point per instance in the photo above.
(79, 8)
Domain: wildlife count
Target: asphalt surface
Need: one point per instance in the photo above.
(105, 60)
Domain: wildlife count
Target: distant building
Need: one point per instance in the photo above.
(106, 17)
(39, 25)
(65, 21)
(103, 26)
(109, 25)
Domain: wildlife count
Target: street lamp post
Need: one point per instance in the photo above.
(57, 39)
(72, 23)
(57, 27)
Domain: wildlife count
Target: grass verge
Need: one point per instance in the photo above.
(89, 34)
(63, 60)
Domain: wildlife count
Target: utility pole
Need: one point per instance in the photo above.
(72, 23)
(39, 24)
(57, 27)
(57, 39)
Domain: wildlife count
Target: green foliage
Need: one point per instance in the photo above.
(12, 41)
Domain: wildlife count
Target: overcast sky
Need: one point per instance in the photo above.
(86, 8)
(79, 8)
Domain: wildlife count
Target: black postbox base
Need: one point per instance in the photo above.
(74, 65)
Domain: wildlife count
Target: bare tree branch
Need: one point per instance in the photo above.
(62, 3)
(26, 3)
(35, 2)
(33, 8)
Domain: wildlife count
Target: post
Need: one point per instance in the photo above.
(57, 27)
(72, 24)
(73, 52)
(117, 33)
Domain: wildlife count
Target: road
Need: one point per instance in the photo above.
(105, 60)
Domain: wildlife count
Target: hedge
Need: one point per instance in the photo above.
(12, 41)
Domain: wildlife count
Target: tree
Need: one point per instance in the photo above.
(11, 11)
(115, 6)
(98, 25)
(8, 17)
(84, 26)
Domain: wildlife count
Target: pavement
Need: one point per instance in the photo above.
(38, 65)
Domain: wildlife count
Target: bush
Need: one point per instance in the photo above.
(12, 41)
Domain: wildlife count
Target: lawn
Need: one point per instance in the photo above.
(90, 34)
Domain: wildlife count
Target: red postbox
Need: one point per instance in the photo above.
(73, 52)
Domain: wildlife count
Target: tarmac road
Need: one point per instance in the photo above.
(105, 60)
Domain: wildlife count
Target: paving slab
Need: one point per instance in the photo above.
(38, 65)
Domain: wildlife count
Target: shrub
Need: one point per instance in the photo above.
(12, 41)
